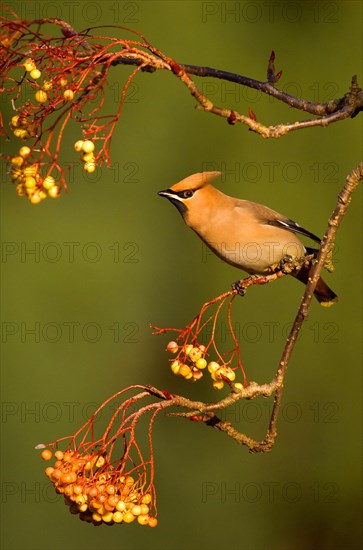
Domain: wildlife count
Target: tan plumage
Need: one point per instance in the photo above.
(245, 234)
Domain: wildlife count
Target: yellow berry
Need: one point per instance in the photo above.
(175, 366)
(30, 170)
(227, 372)
(238, 386)
(88, 146)
(107, 518)
(213, 366)
(172, 347)
(153, 522)
(35, 198)
(120, 506)
(96, 517)
(128, 517)
(48, 182)
(63, 81)
(48, 85)
(100, 462)
(30, 182)
(88, 157)
(20, 133)
(15, 121)
(188, 349)
(197, 374)
(41, 96)
(117, 517)
(144, 509)
(201, 363)
(195, 354)
(29, 65)
(24, 151)
(218, 385)
(17, 161)
(68, 95)
(54, 193)
(90, 167)
(35, 73)
(20, 190)
(146, 499)
(136, 510)
(78, 146)
(16, 174)
(143, 519)
(185, 371)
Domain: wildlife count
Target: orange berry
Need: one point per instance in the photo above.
(153, 522)
(49, 471)
(47, 86)
(46, 454)
(59, 455)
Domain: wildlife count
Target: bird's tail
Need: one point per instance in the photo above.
(325, 296)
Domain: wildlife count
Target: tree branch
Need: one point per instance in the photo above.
(199, 411)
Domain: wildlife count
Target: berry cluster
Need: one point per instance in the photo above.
(47, 89)
(28, 179)
(190, 364)
(86, 148)
(98, 492)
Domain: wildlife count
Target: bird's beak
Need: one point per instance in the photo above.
(174, 199)
(168, 194)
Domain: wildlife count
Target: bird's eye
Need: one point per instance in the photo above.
(186, 194)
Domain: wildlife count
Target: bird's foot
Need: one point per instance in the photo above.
(239, 287)
(288, 264)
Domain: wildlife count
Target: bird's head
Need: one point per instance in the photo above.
(185, 193)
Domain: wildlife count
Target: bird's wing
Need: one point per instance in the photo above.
(290, 225)
(267, 216)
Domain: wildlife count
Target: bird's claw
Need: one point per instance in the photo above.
(239, 287)
(286, 265)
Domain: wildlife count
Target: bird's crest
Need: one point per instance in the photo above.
(195, 181)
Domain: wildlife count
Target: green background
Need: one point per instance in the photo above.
(212, 494)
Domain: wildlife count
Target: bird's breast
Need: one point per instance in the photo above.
(251, 247)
